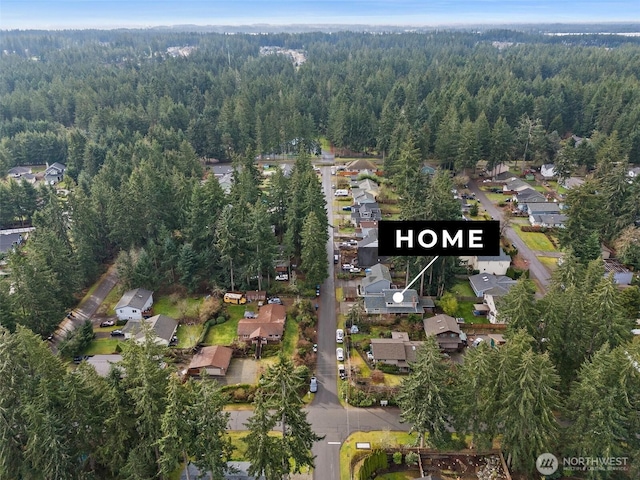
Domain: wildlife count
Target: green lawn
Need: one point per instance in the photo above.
(102, 346)
(377, 439)
(225, 334)
(550, 262)
(188, 335)
(463, 289)
(496, 197)
(290, 337)
(535, 240)
(399, 476)
(109, 303)
(347, 230)
(177, 309)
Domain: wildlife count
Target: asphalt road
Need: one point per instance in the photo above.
(87, 308)
(537, 271)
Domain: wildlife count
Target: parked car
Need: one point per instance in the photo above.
(313, 385)
(117, 333)
(282, 277)
(355, 270)
(340, 354)
(346, 209)
(339, 335)
(77, 359)
(317, 291)
(370, 356)
(460, 319)
(174, 341)
(315, 347)
(347, 266)
(342, 372)
(275, 300)
(108, 323)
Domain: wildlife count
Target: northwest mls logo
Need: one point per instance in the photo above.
(446, 238)
(547, 464)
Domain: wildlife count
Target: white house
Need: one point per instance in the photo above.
(133, 303)
(548, 170)
(493, 264)
(54, 173)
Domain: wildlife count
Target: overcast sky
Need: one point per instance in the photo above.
(57, 14)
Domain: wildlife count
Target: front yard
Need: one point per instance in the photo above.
(535, 240)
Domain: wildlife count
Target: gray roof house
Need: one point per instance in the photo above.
(366, 212)
(361, 197)
(397, 350)
(528, 195)
(544, 207)
(163, 327)
(103, 363)
(621, 274)
(515, 185)
(494, 284)
(9, 240)
(377, 279)
(369, 186)
(551, 220)
(226, 182)
(572, 182)
(384, 304)
(54, 173)
(368, 249)
(133, 303)
(17, 172)
(446, 330)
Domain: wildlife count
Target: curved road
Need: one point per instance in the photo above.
(537, 271)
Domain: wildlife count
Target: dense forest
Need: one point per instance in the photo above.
(133, 121)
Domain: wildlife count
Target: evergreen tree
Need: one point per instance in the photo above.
(424, 397)
(519, 310)
(314, 252)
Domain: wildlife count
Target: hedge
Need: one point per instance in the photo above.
(373, 463)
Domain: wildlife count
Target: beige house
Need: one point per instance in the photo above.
(494, 264)
(267, 326)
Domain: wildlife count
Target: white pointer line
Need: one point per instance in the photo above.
(398, 297)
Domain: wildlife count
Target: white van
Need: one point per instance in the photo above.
(339, 335)
(341, 193)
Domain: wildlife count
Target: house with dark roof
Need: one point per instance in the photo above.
(368, 249)
(550, 220)
(377, 279)
(397, 350)
(267, 326)
(493, 264)
(515, 185)
(9, 241)
(214, 360)
(621, 274)
(484, 282)
(503, 177)
(163, 328)
(446, 330)
(526, 196)
(543, 208)
(54, 173)
(383, 303)
(133, 303)
(365, 212)
(17, 172)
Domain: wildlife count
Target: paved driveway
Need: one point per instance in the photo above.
(241, 370)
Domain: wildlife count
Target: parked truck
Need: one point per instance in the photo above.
(235, 298)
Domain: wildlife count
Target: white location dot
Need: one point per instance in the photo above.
(398, 297)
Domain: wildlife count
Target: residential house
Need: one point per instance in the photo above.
(267, 326)
(361, 197)
(9, 239)
(163, 327)
(226, 182)
(383, 303)
(548, 170)
(366, 212)
(17, 172)
(493, 264)
(572, 182)
(397, 350)
(369, 186)
(621, 274)
(485, 282)
(133, 303)
(549, 220)
(221, 169)
(214, 360)
(504, 177)
(490, 288)
(546, 208)
(526, 196)
(447, 332)
(515, 185)
(377, 279)
(54, 173)
(368, 249)
(103, 363)
(360, 165)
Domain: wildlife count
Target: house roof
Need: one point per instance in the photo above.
(550, 218)
(214, 356)
(494, 258)
(504, 176)
(371, 240)
(360, 164)
(441, 324)
(270, 321)
(572, 182)
(7, 240)
(517, 184)
(134, 299)
(162, 326)
(427, 302)
(613, 266)
(102, 363)
(377, 272)
(399, 348)
(368, 185)
(409, 297)
(530, 195)
(490, 284)
(384, 303)
(361, 197)
(55, 168)
(543, 207)
(17, 171)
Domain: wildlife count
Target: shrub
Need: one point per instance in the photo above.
(397, 458)
(220, 320)
(386, 368)
(411, 458)
(209, 309)
(377, 376)
(77, 340)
